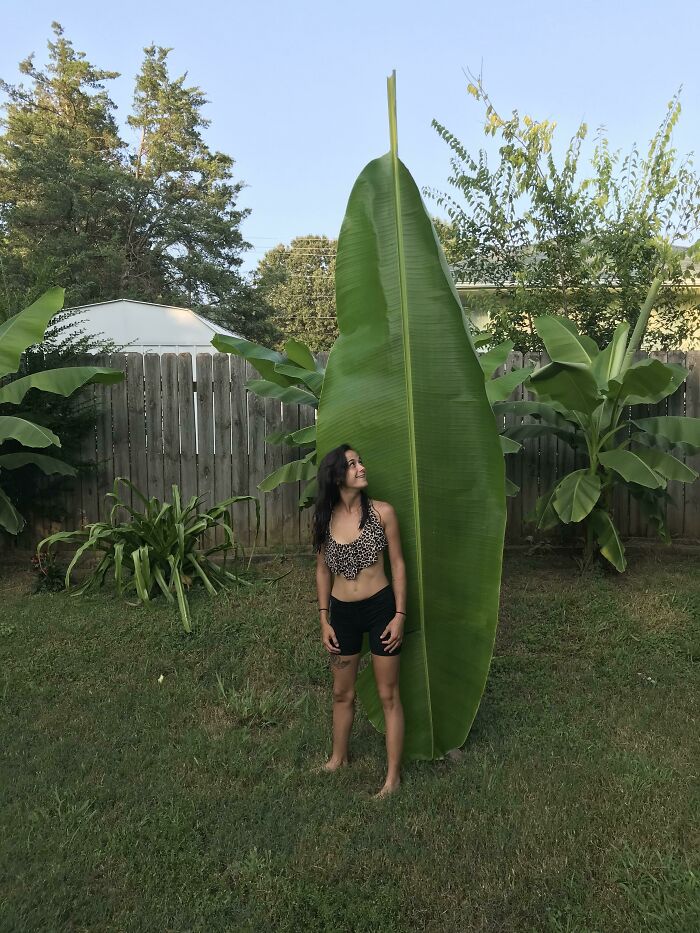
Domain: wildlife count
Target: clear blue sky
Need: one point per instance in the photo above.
(297, 90)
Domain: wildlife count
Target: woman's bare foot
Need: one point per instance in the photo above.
(390, 787)
(333, 764)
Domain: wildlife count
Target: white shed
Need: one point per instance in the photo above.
(146, 327)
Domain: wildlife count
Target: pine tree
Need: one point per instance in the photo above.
(60, 181)
(183, 239)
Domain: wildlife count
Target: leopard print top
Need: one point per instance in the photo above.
(349, 559)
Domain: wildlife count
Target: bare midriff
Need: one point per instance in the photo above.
(369, 581)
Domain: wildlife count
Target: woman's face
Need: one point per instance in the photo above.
(355, 474)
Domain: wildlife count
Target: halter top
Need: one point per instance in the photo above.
(349, 559)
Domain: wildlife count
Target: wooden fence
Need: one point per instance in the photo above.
(160, 427)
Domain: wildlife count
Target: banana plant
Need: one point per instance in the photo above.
(498, 389)
(581, 396)
(17, 333)
(296, 378)
(403, 384)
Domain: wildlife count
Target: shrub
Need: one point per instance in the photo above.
(158, 550)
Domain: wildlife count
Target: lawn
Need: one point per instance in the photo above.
(157, 781)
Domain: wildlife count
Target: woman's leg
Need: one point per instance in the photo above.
(386, 674)
(344, 669)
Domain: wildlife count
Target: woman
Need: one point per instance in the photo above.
(350, 533)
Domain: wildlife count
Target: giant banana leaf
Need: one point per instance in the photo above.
(405, 388)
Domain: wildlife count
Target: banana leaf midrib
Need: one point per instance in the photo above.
(407, 374)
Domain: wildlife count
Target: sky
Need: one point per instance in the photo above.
(297, 90)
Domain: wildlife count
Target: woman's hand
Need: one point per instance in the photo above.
(330, 642)
(393, 633)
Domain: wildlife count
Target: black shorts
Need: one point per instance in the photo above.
(350, 620)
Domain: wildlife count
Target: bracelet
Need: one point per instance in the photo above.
(323, 610)
(400, 613)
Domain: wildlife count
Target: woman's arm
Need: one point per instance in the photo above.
(323, 591)
(392, 636)
(398, 567)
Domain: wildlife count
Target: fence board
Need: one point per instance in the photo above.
(120, 427)
(103, 441)
(244, 514)
(205, 436)
(256, 450)
(188, 435)
(637, 521)
(691, 527)
(221, 389)
(529, 455)
(205, 429)
(513, 462)
(290, 491)
(307, 417)
(274, 523)
(86, 486)
(137, 426)
(548, 452)
(154, 425)
(676, 406)
(171, 423)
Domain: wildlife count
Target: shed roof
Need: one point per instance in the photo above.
(148, 327)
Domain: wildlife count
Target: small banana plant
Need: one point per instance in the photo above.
(500, 388)
(25, 438)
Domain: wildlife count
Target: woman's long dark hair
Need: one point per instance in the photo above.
(331, 476)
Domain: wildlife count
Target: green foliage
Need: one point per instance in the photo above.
(155, 221)
(581, 395)
(19, 436)
(293, 377)
(157, 550)
(298, 283)
(552, 241)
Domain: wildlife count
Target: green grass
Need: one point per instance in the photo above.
(190, 804)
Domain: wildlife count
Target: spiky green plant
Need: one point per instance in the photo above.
(157, 550)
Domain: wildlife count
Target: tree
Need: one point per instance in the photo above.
(182, 235)
(552, 242)
(298, 283)
(158, 221)
(61, 176)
